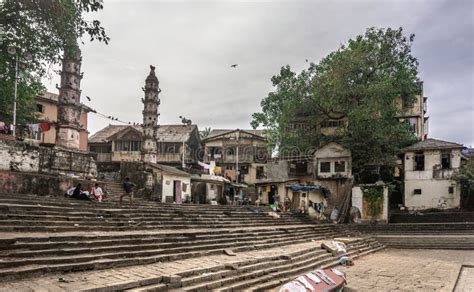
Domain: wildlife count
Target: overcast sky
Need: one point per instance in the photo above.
(193, 44)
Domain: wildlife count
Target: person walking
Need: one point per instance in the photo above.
(128, 188)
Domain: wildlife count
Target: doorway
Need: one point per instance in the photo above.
(295, 201)
(271, 195)
(177, 191)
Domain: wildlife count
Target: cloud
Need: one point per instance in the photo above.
(193, 44)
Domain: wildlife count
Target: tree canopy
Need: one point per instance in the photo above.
(44, 30)
(359, 84)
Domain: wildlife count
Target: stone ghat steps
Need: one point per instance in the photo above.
(247, 274)
(61, 205)
(459, 242)
(61, 200)
(65, 244)
(13, 265)
(270, 283)
(61, 216)
(416, 228)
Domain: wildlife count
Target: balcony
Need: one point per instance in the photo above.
(103, 157)
(245, 158)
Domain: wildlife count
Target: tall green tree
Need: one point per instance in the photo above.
(42, 29)
(360, 84)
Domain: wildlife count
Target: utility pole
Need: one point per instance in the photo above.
(15, 97)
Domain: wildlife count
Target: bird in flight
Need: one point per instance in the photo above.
(306, 60)
(233, 66)
(88, 98)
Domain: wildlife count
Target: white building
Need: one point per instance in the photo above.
(428, 168)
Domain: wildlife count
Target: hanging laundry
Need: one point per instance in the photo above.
(45, 127)
(33, 127)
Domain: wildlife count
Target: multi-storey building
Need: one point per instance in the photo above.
(240, 155)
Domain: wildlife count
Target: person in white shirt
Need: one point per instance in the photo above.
(97, 192)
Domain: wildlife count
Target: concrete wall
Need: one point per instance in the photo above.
(433, 182)
(168, 185)
(41, 184)
(362, 203)
(22, 157)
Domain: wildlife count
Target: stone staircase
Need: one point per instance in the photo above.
(423, 235)
(56, 214)
(47, 235)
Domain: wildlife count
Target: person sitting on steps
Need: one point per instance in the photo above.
(128, 188)
(97, 192)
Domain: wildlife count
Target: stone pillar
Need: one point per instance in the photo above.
(69, 101)
(150, 116)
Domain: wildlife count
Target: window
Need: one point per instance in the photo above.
(244, 170)
(299, 168)
(259, 173)
(417, 191)
(170, 148)
(40, 108)
(419, 161)
(332, 124)
(446, 160)
(340, 166)
(128, 145)
(325, 167)
(451, 190)
(407, 102)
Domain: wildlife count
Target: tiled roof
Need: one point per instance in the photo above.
(174, 133)
(164, 133)
(218, 132)
(171, 170)
(432, 144)
(103, 135)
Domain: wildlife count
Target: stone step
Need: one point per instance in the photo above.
(28, 267)
(84, 247)
(272, 284)
(249, 273)
(104, 239)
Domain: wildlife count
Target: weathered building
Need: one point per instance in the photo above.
(47, 108)
(413, 113)
(428, 169)
(117, 143)
(240, 155)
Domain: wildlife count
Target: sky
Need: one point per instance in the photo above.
(193, 43)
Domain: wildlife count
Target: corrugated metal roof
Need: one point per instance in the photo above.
(432, 144)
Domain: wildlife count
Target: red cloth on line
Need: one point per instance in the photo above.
(45, 127)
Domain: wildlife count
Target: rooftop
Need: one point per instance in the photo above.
(432, 144)
(218, 132)
(164, 133)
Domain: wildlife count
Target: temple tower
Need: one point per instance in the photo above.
(150, 116)
(69, 101)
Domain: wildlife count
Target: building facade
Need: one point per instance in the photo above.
(240, 155)
(47, 109)
(116, 143)
(428, 169)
